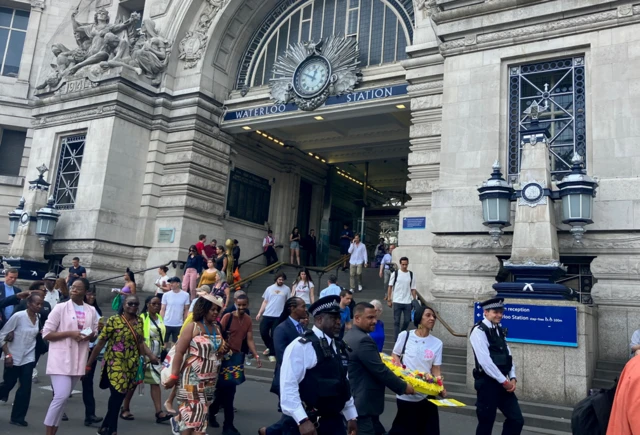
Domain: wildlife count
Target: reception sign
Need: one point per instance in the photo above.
(538, 324)
(414, 223)
(354, 97)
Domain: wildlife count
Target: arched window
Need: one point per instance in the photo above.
(383, 29)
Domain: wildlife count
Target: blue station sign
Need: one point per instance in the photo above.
(414, 223)
(354, 97)
(538, 324)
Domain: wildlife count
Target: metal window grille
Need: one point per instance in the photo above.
(13, 31)
(249, 197)
(558, 86)
(67, 180)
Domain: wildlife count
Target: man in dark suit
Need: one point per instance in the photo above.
(8, 295)
(368, 375)
(289, 329)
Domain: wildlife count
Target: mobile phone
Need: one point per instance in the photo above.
(113, 290)
(86, 331)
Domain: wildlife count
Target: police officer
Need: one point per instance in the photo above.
(494, 373)
(314, 388)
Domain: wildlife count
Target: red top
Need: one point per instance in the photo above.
(200, 247)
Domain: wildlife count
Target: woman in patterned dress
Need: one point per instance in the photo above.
(199, 351)
(125, 335)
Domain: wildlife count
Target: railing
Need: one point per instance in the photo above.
(442, 321)
(256, 256)
(172, 263)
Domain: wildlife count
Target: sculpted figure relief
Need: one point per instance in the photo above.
(102, 45)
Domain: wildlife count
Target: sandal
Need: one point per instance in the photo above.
(169, 407)
(166, 417)
(126, 417)
(266, 352)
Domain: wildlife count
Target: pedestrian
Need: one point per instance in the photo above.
(88, 398)
(310, 244)
(7, 290)
(192, 270)
(294, 246)
(20, 357)
(61, 286)
(275, 296)
(401, 292)
(129, 285)
(625, 418)
(418, 350)
(237, 331)
(378, 332)
(221, 290)
(332, 288)
(195, 367)
(175, 309)
(494, 372)
(232, 307)
(634, 346)
(221, 262)
(236, 254)
(381, 250)
(303, 287)
(357, 261)
(368, 376)
(200, 245)
(289, 328)
(75, 271)
(314, 372)
(346, 299)
(125, 352)
(210, 274)
(385, 270)
(162, 286)
(268, 245)
(153, 331)
(71, 326)
(346, 236)
(211, 249)
(52, 296)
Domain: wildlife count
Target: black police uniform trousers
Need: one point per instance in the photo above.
(325, 425)
(492, 396)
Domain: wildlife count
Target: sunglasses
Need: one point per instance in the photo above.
(133, 304)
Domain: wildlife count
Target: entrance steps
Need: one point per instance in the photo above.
(539, 418)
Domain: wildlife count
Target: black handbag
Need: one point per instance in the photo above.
(42, 345)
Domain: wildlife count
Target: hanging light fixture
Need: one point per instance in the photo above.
(495, 195)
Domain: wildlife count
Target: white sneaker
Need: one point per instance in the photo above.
(351, 290)
(359, 288)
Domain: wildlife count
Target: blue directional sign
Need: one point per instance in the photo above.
(414, 223)
(538, 324)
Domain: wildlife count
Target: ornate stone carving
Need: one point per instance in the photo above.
(425, 86)
(100, 48)
(428, 7)
(194, 43)
(73, 116)
(37, 4)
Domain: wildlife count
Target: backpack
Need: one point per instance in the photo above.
(591, 415)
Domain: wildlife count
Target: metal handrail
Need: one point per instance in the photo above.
(256, 256)
(258, 274)
(173, 263)
(444, 322)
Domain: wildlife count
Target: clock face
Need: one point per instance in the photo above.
(532, 192)
(311, 76)
(24, 218)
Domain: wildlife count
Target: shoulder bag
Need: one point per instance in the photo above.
(140, 373)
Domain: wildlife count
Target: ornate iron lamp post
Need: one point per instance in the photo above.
(14, 218)
(496, 194)
(47, 219)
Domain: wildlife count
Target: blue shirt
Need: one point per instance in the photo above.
(332, 290)
(378, 335)
(345, 317)
(346, 242)
(8, 311)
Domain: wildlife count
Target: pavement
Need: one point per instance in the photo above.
(256, 407)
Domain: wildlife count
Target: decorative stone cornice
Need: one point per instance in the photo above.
(38, 5)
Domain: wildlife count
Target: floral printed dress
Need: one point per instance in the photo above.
(121, 357)
(198, 380)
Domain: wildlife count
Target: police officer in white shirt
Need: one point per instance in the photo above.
(314, 387)
(494, 373)
(357, 261)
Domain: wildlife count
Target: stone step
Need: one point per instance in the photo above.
(602, 383)
(615, 366)
(539, 418)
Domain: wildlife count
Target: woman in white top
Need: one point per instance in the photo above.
(162, 286)
(421, 351)
(303, 288)
(20, 357)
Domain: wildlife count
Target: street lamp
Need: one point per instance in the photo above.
(47, 218)
(14, 218)
(577, 191)
(495, 195)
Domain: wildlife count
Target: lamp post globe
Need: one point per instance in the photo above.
(577, 190)
(47, 219)
(495, 195)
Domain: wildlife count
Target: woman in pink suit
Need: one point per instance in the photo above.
(71, 326)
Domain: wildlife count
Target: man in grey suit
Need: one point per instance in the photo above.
(368, 375)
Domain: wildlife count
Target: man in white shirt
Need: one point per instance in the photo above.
(385, 269)
(332, 289)
(325, 389)
(494, 373)
(401, 292)
(175, 308)
(275, 296)
(357, 260)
